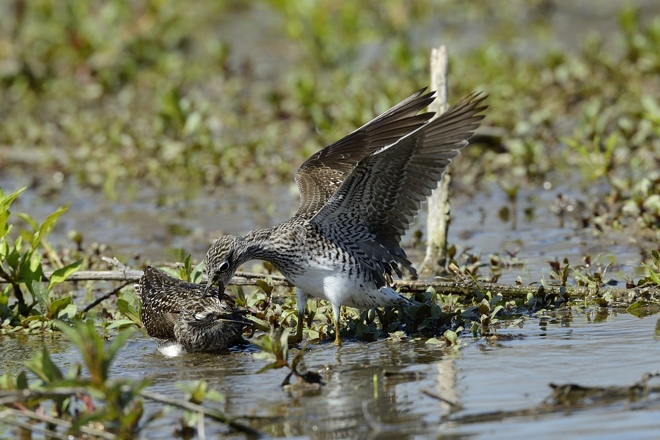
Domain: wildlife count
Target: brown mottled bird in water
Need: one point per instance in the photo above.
(358, 197)
(180, 318)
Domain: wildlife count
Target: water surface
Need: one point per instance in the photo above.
(394, 381)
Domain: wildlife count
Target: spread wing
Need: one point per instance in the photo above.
(322, 174)
(376, 203)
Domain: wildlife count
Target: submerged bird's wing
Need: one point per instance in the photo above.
(157, 281)
(377, 202)
(155, 291)
(322, 174)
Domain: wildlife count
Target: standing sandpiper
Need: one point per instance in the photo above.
(358, 197)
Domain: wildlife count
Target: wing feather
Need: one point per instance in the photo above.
(322, 174)
(378, 200)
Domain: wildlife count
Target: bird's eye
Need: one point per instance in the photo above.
(224, 266)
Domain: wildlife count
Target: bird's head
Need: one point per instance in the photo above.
(221, 262)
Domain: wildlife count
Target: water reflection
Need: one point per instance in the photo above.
(397, 383)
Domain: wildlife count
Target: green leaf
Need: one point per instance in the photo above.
(40, 293)
(128, 311)
(58, 305)
(60, 275)
(214, 396)
(265, 286)
(655, 277)
(197, 273)
(8, 382)
(13, 255)
(185, 269)
(642, 309)
(4, 249)
(29, 220)
(198, 392)
(5, 203)
(89, 344)
(29, 270)
(69, 312)
(451, 337)
(495, 311)
(434, 341)
(120, 323)
(47, 226)
(32, 318)
(634, 308)
(43, 367)
(21, 381)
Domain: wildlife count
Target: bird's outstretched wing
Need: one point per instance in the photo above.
(322, 174)
(378, 200)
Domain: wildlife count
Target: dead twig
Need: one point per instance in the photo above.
(207, 412)
(437, 396)
(99, 300)
(50, 420)
(467, 288)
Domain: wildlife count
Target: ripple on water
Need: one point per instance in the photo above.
(391, 380)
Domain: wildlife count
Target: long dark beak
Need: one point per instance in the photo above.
(209, 289)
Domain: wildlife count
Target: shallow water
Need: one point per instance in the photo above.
(140, 230)
(591, 347)
(617, 349)
(389, 379)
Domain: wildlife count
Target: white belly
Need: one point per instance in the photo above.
(334, 285)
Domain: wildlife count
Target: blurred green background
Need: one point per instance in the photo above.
(202, 94)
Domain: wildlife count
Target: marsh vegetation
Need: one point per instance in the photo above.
(191, 119)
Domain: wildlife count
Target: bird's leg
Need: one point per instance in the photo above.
(302, 305)
(337, 337)
(336, 309)
(381, 318)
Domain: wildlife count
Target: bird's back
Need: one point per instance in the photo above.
(175, 310)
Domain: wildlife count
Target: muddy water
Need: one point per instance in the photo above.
(383, 381)
(381, 389)
(139, 229)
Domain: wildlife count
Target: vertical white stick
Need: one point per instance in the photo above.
(437, 222)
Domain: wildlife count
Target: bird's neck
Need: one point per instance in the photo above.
(259, 245)
(274, 244)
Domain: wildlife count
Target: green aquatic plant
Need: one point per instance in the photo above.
(653, 269)
(275, 351)
(190, 273)
(196, 392)
(82, 403)
(21, 268)
(87, 401)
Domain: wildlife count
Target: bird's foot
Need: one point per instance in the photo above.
(295, 339)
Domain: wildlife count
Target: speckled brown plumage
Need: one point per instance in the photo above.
(175, 312)
(358, 196)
